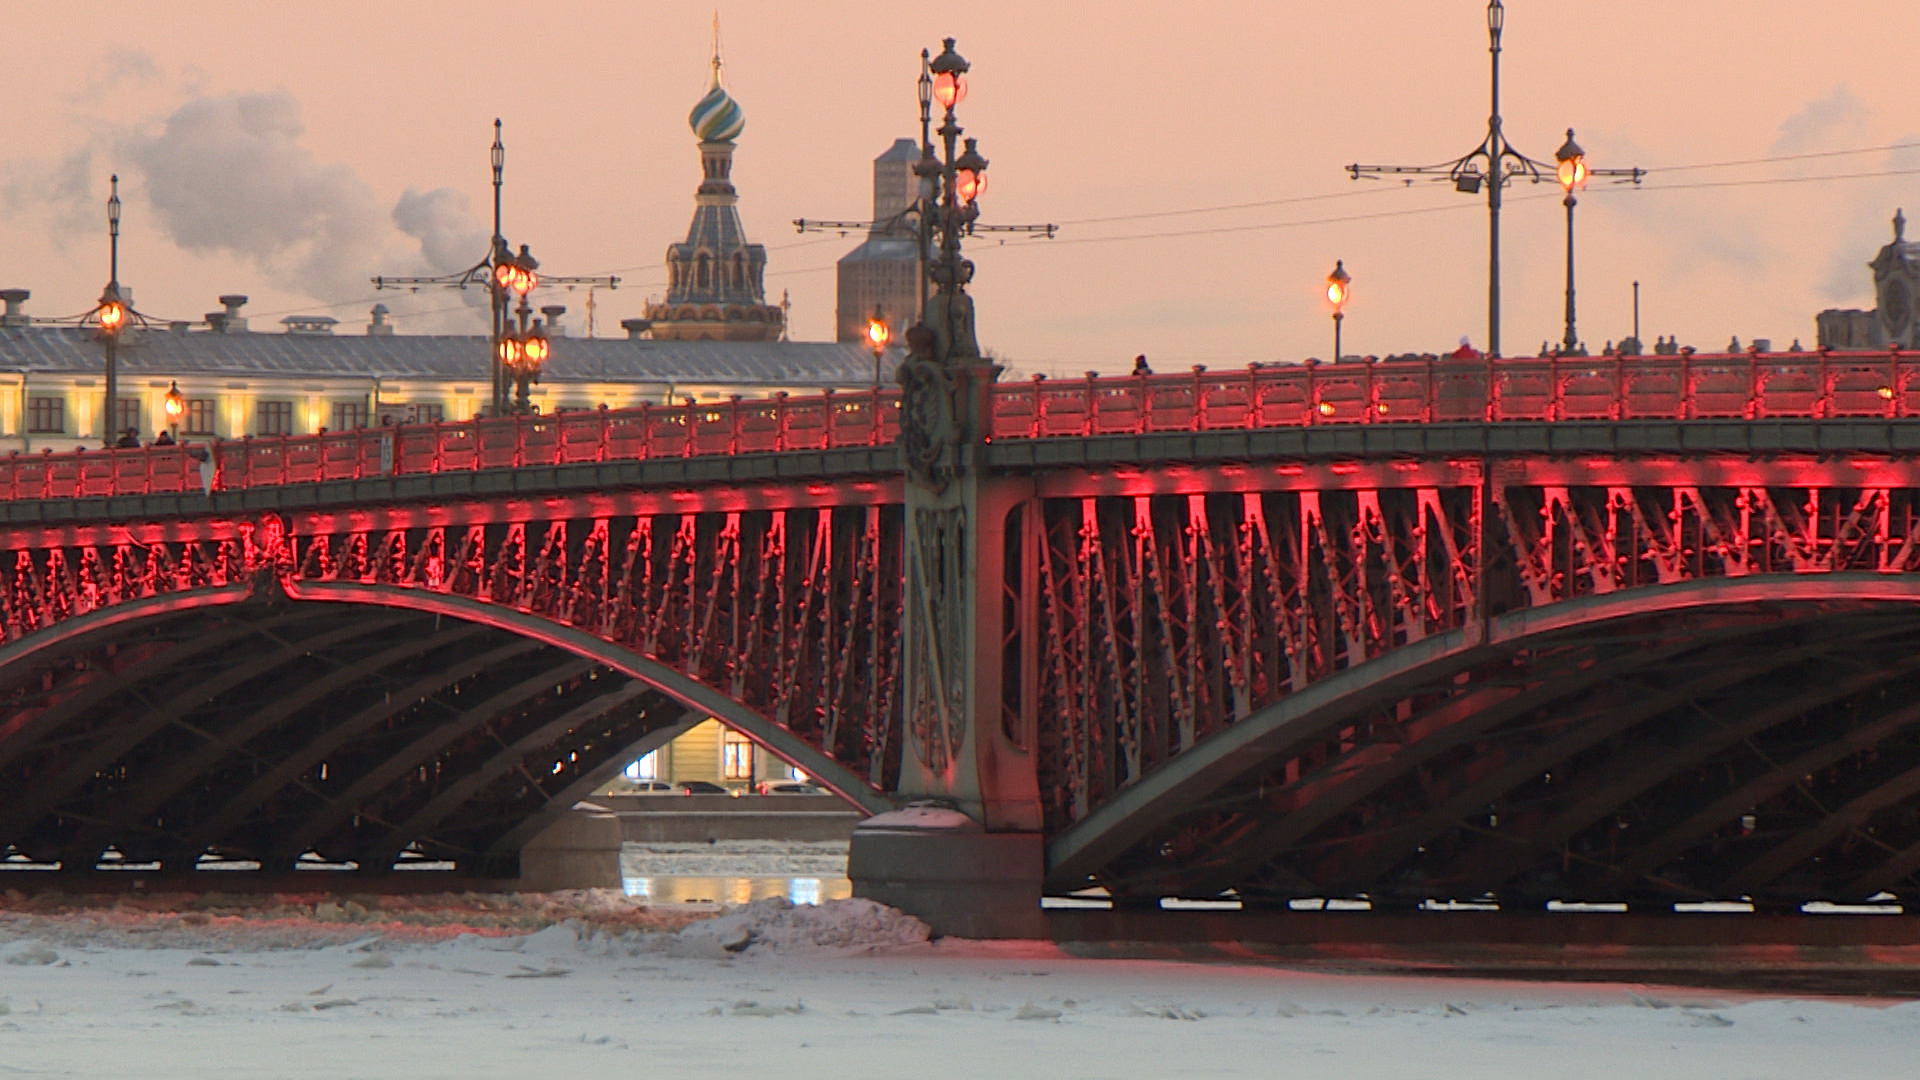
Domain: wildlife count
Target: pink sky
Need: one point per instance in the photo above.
(264, 148)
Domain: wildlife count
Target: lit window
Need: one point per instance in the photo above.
(348, 415)
(274, 418)
(736, 757)
(46, 415)
(200, 416)
(647, 768)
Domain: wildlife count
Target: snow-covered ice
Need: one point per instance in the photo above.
(596, 984)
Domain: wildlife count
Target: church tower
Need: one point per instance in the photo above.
(715, 279)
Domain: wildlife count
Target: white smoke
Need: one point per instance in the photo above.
(450, 238)
(228, 173)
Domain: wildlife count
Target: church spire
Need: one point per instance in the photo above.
(715, 278)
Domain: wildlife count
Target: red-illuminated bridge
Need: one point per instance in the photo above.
(1636, 628)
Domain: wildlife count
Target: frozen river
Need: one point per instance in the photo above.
(840, 991)
(735, 872)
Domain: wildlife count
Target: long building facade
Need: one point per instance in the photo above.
(239, 383)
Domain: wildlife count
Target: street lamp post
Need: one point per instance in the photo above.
(507, 277)
(1492, 165)
(1572, 173)
(111, 313)
(1339, 287)
(878, 335)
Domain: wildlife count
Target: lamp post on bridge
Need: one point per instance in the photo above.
(110, 314)
(1572, 173)
(1339, 287)
(877, 336)
(516, 353)
(1492, 165)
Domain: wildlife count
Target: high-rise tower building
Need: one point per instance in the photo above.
(715, 278)
(884, 271)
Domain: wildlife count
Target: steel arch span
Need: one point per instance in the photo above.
(242, 690)
(1305, 670)
(1703, 740)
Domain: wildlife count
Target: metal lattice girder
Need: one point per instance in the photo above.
(220, 827)
(1334, 789)
(502, 756)
(418, 745)
(23, 731)
(1363, 863)
(117, 813)
(227, 749)
(1506, 852)
(1672, 840)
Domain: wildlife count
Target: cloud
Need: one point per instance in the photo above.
(64, 187)
(121, 69)
(1837, 120)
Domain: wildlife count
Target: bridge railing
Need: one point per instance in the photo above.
(1684, 386)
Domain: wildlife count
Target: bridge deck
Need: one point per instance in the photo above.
(1365, 395)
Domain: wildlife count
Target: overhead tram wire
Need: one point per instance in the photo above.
(1655, 171)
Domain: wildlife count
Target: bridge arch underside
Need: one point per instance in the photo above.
(1765, 744)
(237, 729)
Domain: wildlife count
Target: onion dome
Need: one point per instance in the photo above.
(717, 117)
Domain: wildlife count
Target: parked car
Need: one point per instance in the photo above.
(788, 787)
(700, 787)
(646, 787)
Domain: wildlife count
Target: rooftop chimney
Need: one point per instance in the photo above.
(14, 298)
(379, 326)
(233, 322)
(553, 313)
(635, 327)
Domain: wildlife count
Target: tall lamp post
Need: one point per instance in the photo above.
(1572, 173)
(1339, 287)
(877, 336)
(1492, 165)
(111, 314)
(507, 277)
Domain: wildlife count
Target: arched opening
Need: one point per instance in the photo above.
(364, 727)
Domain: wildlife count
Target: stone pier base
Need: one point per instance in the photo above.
(579, 851)
(941, 867)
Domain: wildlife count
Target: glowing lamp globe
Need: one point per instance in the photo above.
(1573, 165)
(1339, 286)
(949, 89)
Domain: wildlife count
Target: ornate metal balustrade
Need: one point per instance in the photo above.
(1819, 385)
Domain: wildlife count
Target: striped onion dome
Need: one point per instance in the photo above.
(717, 117)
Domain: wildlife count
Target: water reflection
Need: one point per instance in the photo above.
(677, 889)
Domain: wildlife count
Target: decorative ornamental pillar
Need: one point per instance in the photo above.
(967, 633)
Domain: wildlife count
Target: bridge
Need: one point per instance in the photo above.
(1607, 628)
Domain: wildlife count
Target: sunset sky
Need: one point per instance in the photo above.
(290, 152)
